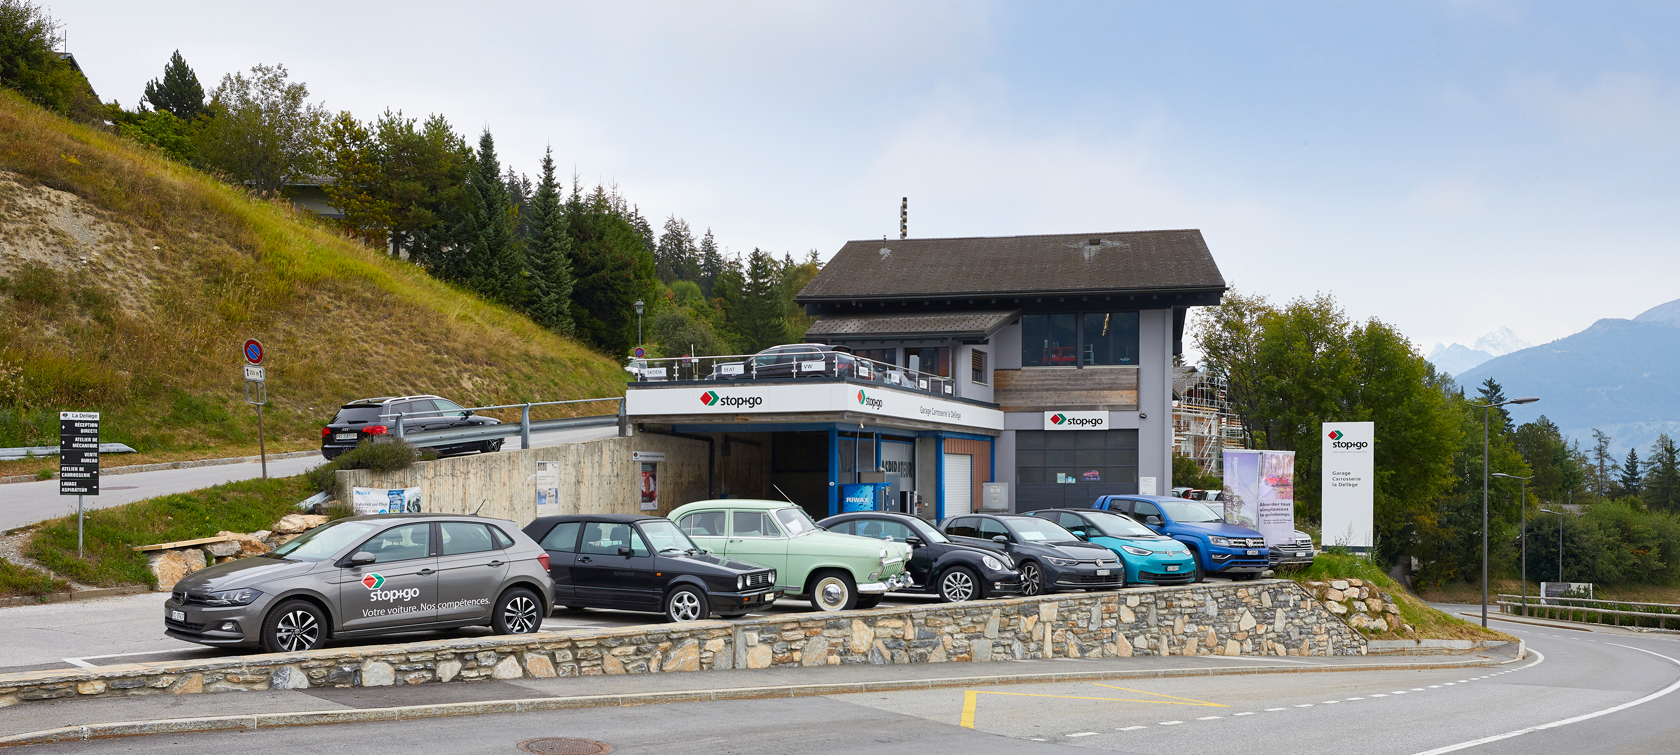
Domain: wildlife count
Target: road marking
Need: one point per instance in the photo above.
(1131, 728)
(1567, 721)
(1378, 694)
(1418, 689)
(1331, 702)
(80, 660)
(1274, 710)
(1083, 734)
(1171, 723)
(1398, 692)
(1209, 718)
(971, 698)
(1244, 713)
(1188, 700)
(1304, 705)
(1356, 698)
(1434, 686)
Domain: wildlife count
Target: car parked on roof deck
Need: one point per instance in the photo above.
(645, 563)
(1150, 557)
(1219, 546)
(377, 418)
(835, 572)
(1050, 558)
(938, 566)
(792, 360)
(367, 576)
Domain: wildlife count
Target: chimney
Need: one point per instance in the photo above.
(904, 218)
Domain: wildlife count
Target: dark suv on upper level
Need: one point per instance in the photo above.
(790, 361)
(377, 417)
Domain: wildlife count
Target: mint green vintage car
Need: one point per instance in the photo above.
(835, 572)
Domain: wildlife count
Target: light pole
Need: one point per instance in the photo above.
(1524, 499)
(638, 322)
(1486, 409)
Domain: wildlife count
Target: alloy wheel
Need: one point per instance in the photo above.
(520, 615)
(956, 587)
(685, 606)
(1032, 582)
(297, 630)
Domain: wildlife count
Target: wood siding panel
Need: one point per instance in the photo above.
(1099, 389)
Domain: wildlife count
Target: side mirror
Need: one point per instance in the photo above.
(1152, 520)
(624, 550)
(362, 558)
(1080, 534)
(914, 542)
(467, 413)
(1000, 539)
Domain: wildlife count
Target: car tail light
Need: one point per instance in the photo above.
(374, 430)
(543, 559)
(325, 431)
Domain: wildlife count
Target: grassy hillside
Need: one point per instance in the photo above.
(130, 282)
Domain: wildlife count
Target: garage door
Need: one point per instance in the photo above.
(959, 484)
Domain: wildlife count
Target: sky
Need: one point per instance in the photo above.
(1448, 167)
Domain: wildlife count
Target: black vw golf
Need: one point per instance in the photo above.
(644, 563)
(940, 567)
(1050, 558)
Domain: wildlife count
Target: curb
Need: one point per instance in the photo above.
(65, 597)
(131, 469)
(443, 710)
(1491, 617)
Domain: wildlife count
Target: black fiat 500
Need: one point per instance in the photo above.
(940, 567)
(644, 563)
(1050, 558)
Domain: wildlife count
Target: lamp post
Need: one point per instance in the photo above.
(1486, 409)
(1524, 502)
(638, 322)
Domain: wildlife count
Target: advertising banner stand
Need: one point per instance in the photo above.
(1348, 482)
(1260, 493)
(648, 463)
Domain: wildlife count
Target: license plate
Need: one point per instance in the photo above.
(345, 436)
(1173, 567)
(1102, 572)
(1254, 553)
(178, 615)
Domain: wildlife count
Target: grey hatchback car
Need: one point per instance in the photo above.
(364, 576)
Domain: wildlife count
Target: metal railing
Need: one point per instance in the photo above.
(526, 426)
(1590, 610)
(806, 364)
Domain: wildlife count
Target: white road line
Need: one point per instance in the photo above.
(1356, 698)
(1210, 718)
(1378, 694)
(79, 660)
(1398, 692)
(1083, 734)
(1244, 713)
(1274, 710)
(1331, 702)
(1304, 705)
(1434, 686)
(1567, 721)
(1131, 728)
(1419, 689)
(1171, 723)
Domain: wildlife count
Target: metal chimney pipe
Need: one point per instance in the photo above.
(904, 218)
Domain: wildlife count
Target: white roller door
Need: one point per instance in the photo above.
(959, 484)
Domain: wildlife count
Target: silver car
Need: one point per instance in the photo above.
(368, 575)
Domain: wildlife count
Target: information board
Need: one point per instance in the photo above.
(1348, 483)
(1260, 492)
(78, 453)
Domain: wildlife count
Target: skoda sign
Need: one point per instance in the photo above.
(1076, 420)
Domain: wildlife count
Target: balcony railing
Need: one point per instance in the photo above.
(788, 366)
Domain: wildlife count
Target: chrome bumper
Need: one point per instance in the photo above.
(895, 582)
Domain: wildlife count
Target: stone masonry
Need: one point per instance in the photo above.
(1270, 617)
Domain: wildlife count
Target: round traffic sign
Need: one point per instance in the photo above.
(640, 352)
(253, 351)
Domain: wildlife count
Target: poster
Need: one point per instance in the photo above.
(1347, 478)
(548, 488)
(365, 501)
(649, 463)
(1260, 492)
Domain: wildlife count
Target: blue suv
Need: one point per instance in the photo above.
(1219, 546)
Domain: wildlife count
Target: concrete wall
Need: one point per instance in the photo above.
(1155, 433)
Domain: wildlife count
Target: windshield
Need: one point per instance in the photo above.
(323, 542)
(359, 414)
(1189, 511)
(1033, 529)
(665, 537)
(928, 533)
(796, 522)
(1114, 525)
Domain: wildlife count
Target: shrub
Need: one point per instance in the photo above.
(387, 455)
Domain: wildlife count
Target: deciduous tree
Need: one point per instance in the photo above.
(264, 131)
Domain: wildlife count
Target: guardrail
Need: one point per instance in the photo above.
(451, 435)
(786, 366)
(1590, 610)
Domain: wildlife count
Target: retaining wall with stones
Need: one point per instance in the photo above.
(1271, 617)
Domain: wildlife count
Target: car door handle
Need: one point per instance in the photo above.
(495, 563)
(424, 572)
(584, 560)
(737, 540)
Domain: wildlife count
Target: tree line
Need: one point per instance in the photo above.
(1291, 367)
(573, 259)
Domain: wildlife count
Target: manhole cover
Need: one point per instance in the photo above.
(565, 746)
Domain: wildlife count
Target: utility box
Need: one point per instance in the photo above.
(994, 496)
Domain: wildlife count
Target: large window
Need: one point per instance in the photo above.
(1110, 338)
(1079, 340)
(931, 359)
(1049, 340)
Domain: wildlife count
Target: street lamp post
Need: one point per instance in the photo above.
(1524, 502)
(638, 322)
(1486, 409)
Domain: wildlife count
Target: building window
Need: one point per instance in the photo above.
(977, 366)
(935, 360)
(885, 356)
(1110, 338)
(1049, 340)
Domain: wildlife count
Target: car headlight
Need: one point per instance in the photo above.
(1135, 550)
(991, 563)
(740, 582)
(1061, 561)
(883, 556)
(772, 576)
(1219, 541)
(241, 597)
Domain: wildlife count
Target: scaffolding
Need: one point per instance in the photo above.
(1204, 424)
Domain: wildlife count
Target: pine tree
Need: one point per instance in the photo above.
(1662, 480)
(1601, 465)
(548, 255)
(519, 197)
(1629, 483)
(178, 92)
(491, 261)
(610, 270)
(711, 264)
(674, 256)
(425, 172)
(1492, 393)
(358, 188)
(759, 317)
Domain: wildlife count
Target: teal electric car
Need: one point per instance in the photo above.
(1150, 559)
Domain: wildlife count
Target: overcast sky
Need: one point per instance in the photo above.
(1449, 167)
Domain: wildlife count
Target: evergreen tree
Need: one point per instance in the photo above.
(1662, 481)
(711, 264)
(674, 258)
(759, 316)
(358, 188)
(548, 297)
(425, 175)
(1556, 463)
(519, 197)
(1601, 473)
(491, 263)
(611, 269)
(178, 93)
(1628, 483)
(1492, 392)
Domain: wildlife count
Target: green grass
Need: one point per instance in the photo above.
(18, 581)
(111, 534)
(1426, 622)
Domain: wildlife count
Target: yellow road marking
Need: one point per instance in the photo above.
(971, 698)
(1157, 694)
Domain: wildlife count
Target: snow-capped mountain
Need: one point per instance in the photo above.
(1501, 342)
(1457, 358)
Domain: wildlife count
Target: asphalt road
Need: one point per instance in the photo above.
(25, 503)
(1578, 693)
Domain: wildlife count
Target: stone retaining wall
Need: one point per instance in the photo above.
(1271, 617)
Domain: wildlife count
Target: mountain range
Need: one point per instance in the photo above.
(1618, 376)
(1456, 358)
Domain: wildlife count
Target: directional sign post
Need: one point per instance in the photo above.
(78, 460)
(256, 391)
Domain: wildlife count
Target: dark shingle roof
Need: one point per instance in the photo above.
(941, 324)
(1135, 261)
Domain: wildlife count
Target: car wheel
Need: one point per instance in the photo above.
(686, 604)
(492, 446)
(833, 591)
(869, 601)
(1032, 579)
(518, 611)
(958, 584)
(295, 625)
